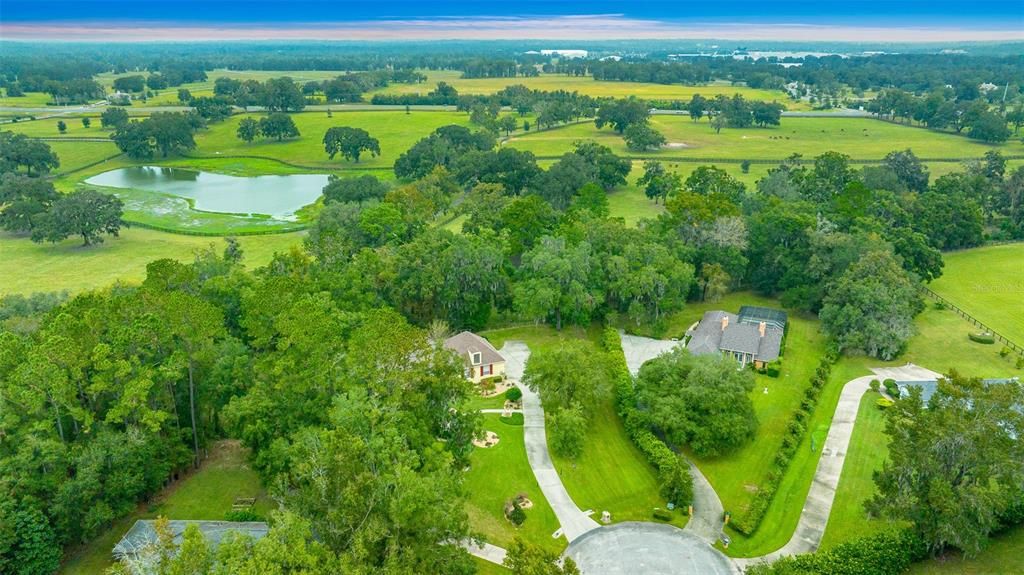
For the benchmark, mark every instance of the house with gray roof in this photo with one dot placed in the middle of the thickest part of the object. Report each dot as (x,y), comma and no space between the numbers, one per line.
(754,336)
(481,359)
(143,536)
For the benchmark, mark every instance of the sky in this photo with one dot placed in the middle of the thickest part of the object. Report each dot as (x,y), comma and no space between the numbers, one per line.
(861,20)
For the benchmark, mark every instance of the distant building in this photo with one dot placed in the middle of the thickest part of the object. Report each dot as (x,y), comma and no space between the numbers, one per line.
(143,534)
(752,336)
(480,357)
(569,54)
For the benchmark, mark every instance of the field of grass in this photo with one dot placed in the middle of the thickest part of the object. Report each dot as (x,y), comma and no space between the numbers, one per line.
(29,267)
(47,127)
(206,494)
(29,100)
(488,568)
(396,130)
(587,86)
(860,138)
(498,474)
(1002,557)
(76,155)
(988,283)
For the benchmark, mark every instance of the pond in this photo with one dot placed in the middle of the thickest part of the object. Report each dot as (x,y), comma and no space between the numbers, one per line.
(276,196)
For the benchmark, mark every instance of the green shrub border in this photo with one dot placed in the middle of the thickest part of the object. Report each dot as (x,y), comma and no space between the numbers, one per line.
(796,431)
(673,471)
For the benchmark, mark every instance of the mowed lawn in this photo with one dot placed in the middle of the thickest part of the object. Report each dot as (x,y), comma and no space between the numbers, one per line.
(611,474)
(988,283)
(207,494)
(30,267)
(940,344)
(1003,556)
(496,475)
(74,156)
(736,476)
(396,131)
(586,85)
(860,138)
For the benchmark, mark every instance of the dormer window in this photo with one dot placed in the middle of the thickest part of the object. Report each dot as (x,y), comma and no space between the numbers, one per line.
(475,357)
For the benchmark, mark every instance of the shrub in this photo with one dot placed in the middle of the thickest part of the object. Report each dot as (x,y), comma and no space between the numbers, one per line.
(884,553)
(1020,362)
(982,338)
(514,394)
(662,514)
(939,305)
(517,516)
(891,388)
(1004,352)
(773,369)
(884,403)
(875,385)
(243,515)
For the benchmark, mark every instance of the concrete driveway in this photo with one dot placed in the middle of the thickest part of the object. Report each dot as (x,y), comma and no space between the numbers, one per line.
(648,548)
(573,520)
(638,350)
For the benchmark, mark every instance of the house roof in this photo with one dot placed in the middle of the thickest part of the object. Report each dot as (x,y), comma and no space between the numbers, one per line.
(143,533)
(706,337)
(468,342)
(741,334)
(741,337)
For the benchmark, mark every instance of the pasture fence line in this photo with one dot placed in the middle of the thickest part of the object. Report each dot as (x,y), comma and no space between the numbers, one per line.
(1016,348)
(773,161)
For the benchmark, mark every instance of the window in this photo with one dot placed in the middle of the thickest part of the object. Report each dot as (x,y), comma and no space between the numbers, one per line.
(487,369)
(475,357)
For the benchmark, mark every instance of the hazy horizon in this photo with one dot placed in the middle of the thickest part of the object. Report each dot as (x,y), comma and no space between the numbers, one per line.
(797,20)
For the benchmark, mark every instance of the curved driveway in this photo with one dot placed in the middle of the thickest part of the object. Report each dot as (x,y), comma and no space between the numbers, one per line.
(574,522)
(647,548)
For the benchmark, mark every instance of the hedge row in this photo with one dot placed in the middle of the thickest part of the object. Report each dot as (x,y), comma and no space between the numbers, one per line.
(884,553)
(796,431)
(673,471)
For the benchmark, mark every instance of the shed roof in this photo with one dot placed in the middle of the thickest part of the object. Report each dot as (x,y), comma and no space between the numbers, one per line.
(468,342)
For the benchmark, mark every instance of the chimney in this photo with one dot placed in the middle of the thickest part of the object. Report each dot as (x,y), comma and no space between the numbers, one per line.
(725,322)
(761,327)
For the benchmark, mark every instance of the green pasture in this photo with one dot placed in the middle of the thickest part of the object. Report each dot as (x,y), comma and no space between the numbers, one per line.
(860,138)
(396,131)
(30,267)
(498,474)
(207,494)
(47,127)
(586,85)
(74,156)
(988,283)
(29,100)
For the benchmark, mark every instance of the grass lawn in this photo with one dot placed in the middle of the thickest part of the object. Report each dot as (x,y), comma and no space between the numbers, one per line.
(206,494)
(29,100)
(736,475)
(860,138)
(47,127)
(498,474)
(988,283)
(76,155)
(611,475)
(28,267)
(488,568)
(396,130)
(868,450)
(588,86)
(941,343)
(1002,557)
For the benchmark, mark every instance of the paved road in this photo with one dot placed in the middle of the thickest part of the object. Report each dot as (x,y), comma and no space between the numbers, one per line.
(573,521)
(818,506)
(647,548)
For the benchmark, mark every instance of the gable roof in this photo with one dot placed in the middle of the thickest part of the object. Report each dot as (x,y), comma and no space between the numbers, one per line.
(706,337)
(741,334)
(468,342)
(741,337)
(143,533)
